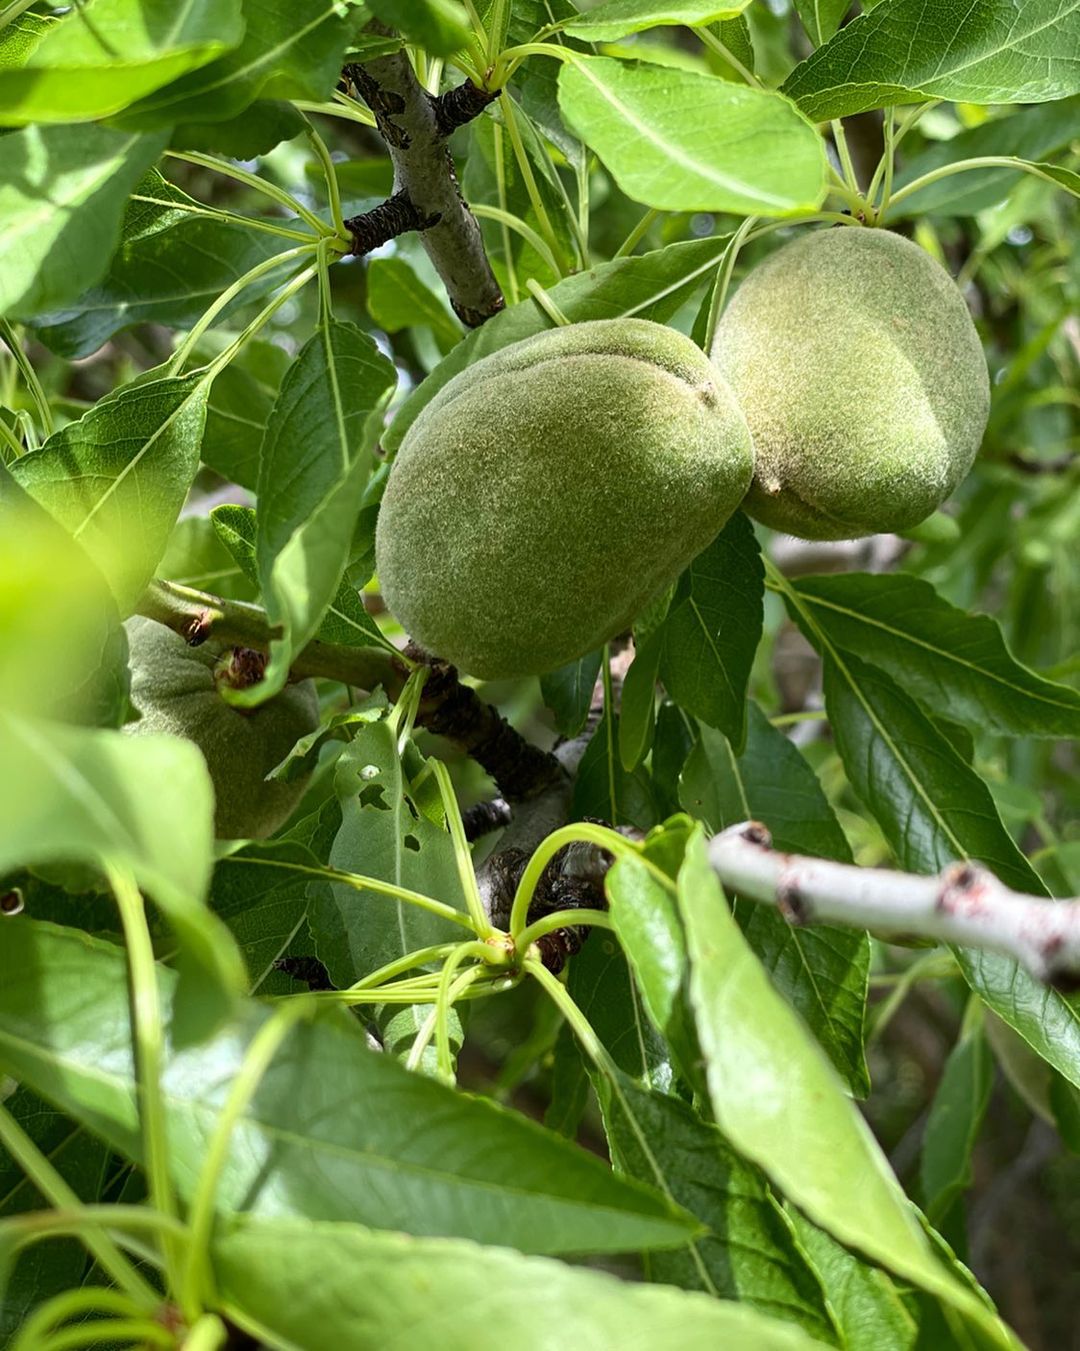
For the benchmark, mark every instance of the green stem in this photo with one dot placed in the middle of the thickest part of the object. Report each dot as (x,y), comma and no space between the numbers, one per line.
(329,173)
(254,182)
(11,12)
(723,278)
(583,833)
(598,1054)
(638,233)
(710,40)
(406,963)
(106,1330)
(360,883)
(7,435)
(498,21)
(462,854)
(540,295)
(964,165)
(237,218)
(512,288)
(562,919)
(56,1191)
(33,384)
(840,138)
(509,221)
(180,356)
(449,989)
(890,161)
(342,106)
(198,1277)
(31,1226)
(506,103)
(70,1304)
(148,1038)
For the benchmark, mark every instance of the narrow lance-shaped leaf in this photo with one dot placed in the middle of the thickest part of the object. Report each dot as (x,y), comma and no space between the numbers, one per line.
(118,477)
(935,810)
(822,971)
(62,194)
(713,627)
(956,1114)
(568,692)
(322,1136)
(617,18)
(762,1068)
(955,663)
(366,1288)
(992,51)
(679,141)
(315,463)
(92,64)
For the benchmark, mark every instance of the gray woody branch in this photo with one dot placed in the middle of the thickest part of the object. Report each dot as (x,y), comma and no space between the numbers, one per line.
(415,126)
(965,904)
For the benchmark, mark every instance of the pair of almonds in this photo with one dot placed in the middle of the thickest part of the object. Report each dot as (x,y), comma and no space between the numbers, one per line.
(551,490)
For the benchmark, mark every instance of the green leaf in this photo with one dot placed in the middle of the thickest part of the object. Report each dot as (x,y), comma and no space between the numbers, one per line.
(865,1303)
(935,810)
(1030,133)
(72,795)
(568,692)
(763,1068)
(955,663)
(680,141)
(315,463)
(397,299)
(821,18)
(171,265)
(367,1291)
(263,904)
(952,1128)
(713,628)
(118,477)
(283,55)
(604,790)
(95,62)
(616,18)
(650,286)
(241,397)
(903,51)
(748,1254)
(440,26)
(323,1136)
(382,835)
(345,622)
(195,557)
(601,985)
(20,37)
(62,194)
(45,1269)
(637,708)
(821,971)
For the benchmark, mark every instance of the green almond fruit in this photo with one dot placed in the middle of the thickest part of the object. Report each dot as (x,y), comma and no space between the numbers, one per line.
(551,490)
(858,368)
(175,689)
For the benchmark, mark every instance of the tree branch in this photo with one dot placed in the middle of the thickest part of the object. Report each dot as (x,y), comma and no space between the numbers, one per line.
(966,904)
(415,127)
(448,708)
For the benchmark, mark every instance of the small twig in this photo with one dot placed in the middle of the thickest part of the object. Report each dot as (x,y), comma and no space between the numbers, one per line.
(484,817)
(449,708)
(415,126)
(966,904)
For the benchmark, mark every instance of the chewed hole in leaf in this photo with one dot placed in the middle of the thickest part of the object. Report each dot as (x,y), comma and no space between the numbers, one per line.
(374,796)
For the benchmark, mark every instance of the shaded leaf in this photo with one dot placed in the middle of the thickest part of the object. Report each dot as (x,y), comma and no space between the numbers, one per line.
(604,790)
(323,1136)
(821,18)
(568,692)
(616,18)
(397,299)
(440,26)
(952,1128)
(713,628)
